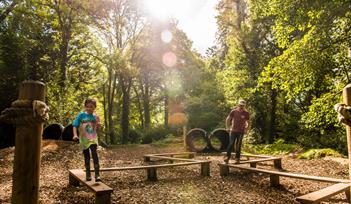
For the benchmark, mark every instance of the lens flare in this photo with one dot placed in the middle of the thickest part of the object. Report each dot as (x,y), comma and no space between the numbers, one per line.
(166,36)
(169,59)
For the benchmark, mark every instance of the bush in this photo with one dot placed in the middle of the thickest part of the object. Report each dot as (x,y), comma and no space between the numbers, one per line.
(147,139)
(170,139)
(318,153)
(329,139)
(134,136)
(278,147)
(154,134)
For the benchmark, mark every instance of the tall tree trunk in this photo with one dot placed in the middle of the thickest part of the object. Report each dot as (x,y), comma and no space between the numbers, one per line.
(166,102)
(65,25)
(110,98)
(125,85)
(146,103)
(105,112)
(272,128)
(140,109)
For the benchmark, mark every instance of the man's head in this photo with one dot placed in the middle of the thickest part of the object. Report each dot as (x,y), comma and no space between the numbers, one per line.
(241,103)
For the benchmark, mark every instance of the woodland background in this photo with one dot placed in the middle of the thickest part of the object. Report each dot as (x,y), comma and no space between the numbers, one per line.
(288,59)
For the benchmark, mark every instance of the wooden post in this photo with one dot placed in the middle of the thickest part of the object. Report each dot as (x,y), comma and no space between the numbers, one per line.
(347,193)
(103,198)
(151,174)
(205,169)
(26,169)
(278,163)
(253,165)
(346,95)
(146,159)
(223,169)
(72,180)
(184,139)
(274,180)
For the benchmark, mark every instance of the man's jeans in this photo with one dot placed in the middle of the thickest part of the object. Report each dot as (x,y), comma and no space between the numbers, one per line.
(235,138)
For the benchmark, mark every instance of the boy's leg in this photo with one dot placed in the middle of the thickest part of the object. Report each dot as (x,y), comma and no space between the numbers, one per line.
(96,162)
(86,154)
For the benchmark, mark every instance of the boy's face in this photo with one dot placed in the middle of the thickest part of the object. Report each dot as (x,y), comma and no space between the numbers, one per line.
(89,108)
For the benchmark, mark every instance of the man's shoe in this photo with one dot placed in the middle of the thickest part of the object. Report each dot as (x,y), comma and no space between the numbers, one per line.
(226,159)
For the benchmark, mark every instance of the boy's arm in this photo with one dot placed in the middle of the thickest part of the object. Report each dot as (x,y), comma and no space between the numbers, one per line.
(75,124)
(98,122)
(75,135)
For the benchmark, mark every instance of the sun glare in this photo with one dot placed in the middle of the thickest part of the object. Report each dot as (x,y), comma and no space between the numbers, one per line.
(163,9)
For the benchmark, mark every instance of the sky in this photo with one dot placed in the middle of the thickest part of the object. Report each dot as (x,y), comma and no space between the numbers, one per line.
(196,18)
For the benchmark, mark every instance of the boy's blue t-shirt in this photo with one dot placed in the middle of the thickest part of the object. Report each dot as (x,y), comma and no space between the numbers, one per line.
(87,125)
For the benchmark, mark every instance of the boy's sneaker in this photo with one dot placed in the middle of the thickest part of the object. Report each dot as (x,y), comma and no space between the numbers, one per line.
(97,179)
(87,175)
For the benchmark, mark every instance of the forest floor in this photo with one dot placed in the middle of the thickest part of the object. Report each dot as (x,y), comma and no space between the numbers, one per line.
(175,185)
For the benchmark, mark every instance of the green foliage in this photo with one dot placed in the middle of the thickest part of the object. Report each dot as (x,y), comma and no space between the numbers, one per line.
(154,134)
(205,105)
(319,153)
(279,147)
(330,139)
(135,136)
(170,139)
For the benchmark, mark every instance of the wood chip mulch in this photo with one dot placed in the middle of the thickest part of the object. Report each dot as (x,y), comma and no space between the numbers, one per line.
(175,185)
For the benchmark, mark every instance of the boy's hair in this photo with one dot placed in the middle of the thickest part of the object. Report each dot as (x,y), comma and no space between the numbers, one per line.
(90,100)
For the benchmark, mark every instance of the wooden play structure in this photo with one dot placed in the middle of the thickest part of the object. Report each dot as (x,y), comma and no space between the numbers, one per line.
(103,192)
(341,185)
(28,113)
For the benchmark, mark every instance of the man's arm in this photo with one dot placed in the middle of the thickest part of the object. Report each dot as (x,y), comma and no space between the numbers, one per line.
(247,123)
(228,122)
(247,126)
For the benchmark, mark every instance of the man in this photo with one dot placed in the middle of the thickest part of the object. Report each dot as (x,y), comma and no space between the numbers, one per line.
(237,123)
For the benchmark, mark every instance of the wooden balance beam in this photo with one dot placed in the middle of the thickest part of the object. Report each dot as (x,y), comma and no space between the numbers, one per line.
(101,190)
(151,170)
(325,193)
(261,158)
(277,162)
(187,154)
(274,175)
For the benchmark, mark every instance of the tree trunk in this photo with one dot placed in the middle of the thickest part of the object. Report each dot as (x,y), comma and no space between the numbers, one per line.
(105,112)
(146,103)
(65,24)
(140,109)
(166,108)
(272,128)
(110,99)
(125,108)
